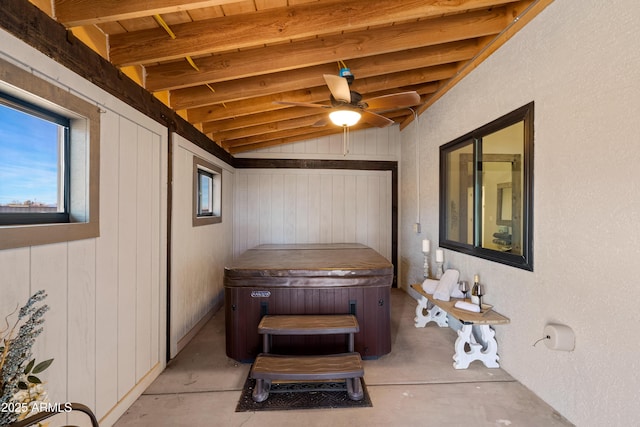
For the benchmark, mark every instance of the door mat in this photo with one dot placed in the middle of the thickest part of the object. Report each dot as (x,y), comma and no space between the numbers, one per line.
(300,395)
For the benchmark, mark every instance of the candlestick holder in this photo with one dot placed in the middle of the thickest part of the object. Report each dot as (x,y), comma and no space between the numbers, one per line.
(439,270)
(426,264)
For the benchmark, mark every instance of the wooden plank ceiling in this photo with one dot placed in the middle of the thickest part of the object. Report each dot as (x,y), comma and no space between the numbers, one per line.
(223,63)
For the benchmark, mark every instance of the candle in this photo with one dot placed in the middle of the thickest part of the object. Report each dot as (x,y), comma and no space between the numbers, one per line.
(476,278)
(426,245)
(439,255)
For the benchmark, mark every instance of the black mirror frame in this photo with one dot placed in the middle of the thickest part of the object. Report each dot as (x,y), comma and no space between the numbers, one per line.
(524,261)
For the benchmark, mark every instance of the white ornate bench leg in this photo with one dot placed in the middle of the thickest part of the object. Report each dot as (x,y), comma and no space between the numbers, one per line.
(490,353)
(420,319)
(438,315)
(434,314)
(489,356)
(461,358)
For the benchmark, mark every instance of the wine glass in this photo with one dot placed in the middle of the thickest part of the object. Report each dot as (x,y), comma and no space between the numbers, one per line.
(464,288)
(480,293)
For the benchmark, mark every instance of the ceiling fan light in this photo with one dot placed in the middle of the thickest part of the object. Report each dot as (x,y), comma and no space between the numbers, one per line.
(344,117)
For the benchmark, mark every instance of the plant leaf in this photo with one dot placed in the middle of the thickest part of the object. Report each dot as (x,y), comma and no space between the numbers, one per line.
(29,366)
(22,385)
(42,366)
(33,380)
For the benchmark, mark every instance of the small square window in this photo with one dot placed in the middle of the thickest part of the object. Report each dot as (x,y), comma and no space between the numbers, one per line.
(205,193)
(49,162)
(207,186)
(34,164)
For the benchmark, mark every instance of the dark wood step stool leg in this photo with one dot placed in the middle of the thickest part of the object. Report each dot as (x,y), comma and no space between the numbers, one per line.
(354,388)
(261,390)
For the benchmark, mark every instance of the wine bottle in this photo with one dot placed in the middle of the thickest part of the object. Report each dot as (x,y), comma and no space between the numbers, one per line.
(474,290)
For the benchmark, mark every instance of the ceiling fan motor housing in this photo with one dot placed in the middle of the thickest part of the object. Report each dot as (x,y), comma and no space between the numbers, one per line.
(356,99)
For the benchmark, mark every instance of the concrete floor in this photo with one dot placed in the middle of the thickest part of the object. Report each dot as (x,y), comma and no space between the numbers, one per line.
(414,385)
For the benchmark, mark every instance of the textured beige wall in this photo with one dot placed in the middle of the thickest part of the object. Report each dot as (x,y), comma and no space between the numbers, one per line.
(580,64)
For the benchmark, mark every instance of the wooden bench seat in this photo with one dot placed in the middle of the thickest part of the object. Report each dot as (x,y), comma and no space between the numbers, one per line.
(274,367)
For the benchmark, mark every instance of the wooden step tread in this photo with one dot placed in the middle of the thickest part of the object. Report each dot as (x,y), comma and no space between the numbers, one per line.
(308,324)
(281,367)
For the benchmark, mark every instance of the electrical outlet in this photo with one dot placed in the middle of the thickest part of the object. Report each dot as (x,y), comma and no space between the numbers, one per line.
(416,227)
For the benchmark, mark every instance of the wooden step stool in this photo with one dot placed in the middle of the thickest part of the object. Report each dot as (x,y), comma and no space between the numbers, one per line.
(271,367)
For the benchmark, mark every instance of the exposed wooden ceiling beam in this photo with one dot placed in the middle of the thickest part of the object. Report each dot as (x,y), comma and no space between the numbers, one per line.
(250,87)
(284,140)
(328,49)
(256,119)
(262,118)
(313,76)
(73,13)
(191,98)
(276,25)
(291,139)
(293,131)
(288,133)
(231,59)
(280,125)
(240,136)
(522,12)
(245,107)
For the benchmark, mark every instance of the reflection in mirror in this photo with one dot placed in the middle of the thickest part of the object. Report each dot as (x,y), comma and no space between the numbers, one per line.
(503,207)
(502,153)
(459,207)
(486,189)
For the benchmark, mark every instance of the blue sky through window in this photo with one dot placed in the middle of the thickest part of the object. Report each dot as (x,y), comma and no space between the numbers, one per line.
(28,158)
(205,193)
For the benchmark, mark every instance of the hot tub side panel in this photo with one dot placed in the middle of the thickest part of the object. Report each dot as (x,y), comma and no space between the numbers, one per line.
(245,306)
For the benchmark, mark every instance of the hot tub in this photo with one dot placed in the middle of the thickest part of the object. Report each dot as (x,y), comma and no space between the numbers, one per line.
(308,279)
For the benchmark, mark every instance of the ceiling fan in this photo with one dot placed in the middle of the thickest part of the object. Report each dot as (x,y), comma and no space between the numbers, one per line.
(348,106)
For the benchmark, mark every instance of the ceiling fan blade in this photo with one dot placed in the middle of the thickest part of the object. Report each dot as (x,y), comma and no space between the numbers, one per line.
(320,123)
(376,119)
(301,104)
(394,101)
(339,87)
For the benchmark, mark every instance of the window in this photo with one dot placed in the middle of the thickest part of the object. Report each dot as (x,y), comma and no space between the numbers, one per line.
(34,164)
(205,193)
(207,185)
(486,191)
(49,162)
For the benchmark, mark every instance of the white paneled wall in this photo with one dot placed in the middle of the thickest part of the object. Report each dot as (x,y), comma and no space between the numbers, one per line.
(105,329)
(312,206)
(199,254)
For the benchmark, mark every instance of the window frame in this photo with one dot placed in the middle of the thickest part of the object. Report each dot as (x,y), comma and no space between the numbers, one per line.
(215,172)
(26,218)
(84,160)
(474,139)
(203,173)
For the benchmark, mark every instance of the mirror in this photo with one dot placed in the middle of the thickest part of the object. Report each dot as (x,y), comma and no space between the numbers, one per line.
(486,191)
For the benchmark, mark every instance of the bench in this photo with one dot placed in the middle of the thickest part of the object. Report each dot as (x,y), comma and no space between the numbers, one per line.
(476,332)
(273,367)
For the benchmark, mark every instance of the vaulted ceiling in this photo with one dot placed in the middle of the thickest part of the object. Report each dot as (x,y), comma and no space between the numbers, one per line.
(225,63)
